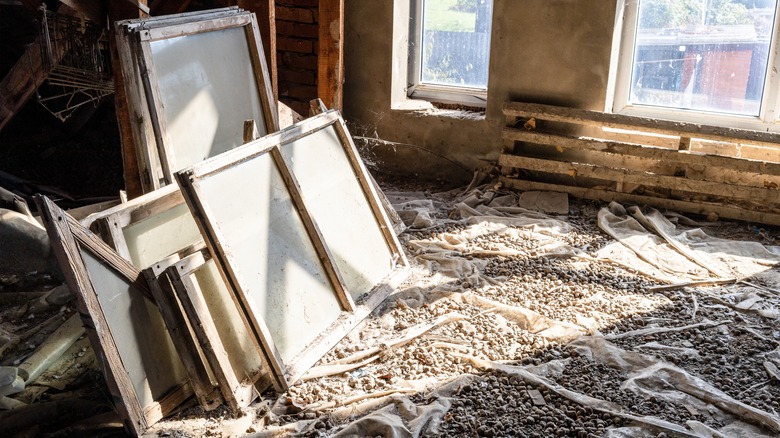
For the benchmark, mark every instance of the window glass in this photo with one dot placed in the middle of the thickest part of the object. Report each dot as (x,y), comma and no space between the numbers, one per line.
(455,42)
(709,55)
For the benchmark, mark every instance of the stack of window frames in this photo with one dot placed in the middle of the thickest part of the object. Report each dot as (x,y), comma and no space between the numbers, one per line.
(300,236)
(281,248)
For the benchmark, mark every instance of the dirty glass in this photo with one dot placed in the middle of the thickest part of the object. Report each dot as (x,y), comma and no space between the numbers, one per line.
(709,55)
(208,89)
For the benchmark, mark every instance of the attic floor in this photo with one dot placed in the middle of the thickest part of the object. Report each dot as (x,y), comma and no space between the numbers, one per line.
(516,323)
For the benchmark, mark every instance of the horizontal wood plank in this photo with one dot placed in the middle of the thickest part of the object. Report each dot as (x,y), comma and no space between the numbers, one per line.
(579,170)
(638,150)
(658,126)
(702,208)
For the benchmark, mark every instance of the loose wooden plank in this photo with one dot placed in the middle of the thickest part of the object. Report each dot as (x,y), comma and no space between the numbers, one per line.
(701,208)
(578,170)
(620,121)
(638,150)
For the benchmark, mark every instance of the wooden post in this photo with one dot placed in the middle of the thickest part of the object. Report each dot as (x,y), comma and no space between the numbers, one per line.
(330,59)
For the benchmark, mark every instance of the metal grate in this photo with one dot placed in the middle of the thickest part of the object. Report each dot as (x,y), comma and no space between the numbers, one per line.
(77,64)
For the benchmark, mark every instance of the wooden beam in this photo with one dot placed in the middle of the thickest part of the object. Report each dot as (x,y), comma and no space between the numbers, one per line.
(637,150)
(32,5)
(577,170)
(701,208)
(92,9)
(620,121)
(18,86)
(330,59)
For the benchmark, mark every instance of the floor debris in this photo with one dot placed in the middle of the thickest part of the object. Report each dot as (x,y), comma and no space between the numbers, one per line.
(517,323)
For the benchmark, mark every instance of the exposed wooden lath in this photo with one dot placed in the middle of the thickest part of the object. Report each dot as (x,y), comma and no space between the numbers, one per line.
(686,177)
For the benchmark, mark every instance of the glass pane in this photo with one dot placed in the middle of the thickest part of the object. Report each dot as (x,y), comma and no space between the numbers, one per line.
(456,42)
(208,89)
(706,55)
(266,243)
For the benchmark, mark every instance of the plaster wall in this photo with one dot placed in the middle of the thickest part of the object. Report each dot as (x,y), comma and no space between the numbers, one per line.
(542,51)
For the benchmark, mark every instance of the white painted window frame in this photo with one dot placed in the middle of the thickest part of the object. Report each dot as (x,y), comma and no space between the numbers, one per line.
(621,67)
(415,89)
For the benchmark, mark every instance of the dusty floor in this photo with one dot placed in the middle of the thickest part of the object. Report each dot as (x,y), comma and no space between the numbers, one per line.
(484,339)
(480,347)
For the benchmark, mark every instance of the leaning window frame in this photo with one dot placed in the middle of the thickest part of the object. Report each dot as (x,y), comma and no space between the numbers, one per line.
(415,89)
(626,21)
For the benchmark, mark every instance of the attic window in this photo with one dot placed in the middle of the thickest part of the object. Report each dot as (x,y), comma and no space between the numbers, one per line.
(688,60)
(449,51)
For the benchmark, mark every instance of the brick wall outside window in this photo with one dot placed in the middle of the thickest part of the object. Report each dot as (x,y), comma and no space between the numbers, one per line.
(297,39)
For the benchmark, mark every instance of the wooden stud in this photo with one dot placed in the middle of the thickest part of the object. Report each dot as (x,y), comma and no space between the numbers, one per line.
(330,56)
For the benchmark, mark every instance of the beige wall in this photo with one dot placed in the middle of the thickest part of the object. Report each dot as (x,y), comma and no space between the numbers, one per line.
(543,51)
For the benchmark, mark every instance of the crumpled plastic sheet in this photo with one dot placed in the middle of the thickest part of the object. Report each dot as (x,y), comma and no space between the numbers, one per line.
(657,248)
(644,244)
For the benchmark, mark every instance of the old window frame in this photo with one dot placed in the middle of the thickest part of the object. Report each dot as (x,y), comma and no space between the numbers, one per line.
(416,88)
(626,21)
(173,284)
(352,311)
(70,240)
(153,146)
